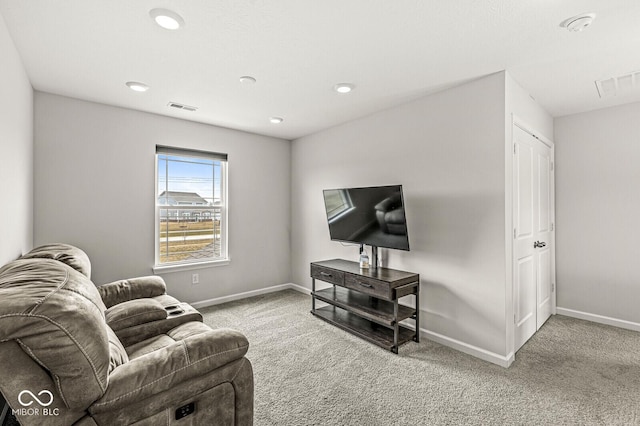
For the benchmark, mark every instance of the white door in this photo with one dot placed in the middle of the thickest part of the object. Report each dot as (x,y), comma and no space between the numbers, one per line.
(533,239)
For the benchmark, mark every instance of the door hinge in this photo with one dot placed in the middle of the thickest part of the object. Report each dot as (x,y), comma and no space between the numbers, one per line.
(514,319)
(552,226)
(553,287)
(514,233)
(514,148)
(552,166)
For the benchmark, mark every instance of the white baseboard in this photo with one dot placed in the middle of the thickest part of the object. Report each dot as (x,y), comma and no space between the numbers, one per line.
(239,296)
(483,354)
(503,361)
(599,319)
(299,288)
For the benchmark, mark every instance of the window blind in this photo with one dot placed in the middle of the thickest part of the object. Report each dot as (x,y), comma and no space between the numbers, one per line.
(169,150)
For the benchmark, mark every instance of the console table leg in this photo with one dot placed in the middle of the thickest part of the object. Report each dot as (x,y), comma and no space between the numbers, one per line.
(417,338)
(396,326)
(313,295)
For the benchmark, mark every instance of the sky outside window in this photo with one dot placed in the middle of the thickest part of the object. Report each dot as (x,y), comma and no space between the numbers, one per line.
(190,174)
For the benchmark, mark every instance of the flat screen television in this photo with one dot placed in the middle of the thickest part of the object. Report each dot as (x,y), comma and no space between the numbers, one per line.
(372,215)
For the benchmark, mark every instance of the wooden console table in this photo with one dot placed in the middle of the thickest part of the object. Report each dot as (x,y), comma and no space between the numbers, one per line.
(364,302)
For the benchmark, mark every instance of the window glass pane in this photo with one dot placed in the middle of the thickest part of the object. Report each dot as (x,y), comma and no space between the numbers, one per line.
(162,180)
(217,183)
(189,235)
(190,209)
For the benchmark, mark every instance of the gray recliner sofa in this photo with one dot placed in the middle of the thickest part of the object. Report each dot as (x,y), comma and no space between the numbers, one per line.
(121,353)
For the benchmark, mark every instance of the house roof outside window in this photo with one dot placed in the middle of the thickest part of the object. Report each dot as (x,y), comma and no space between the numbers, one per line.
(178,198)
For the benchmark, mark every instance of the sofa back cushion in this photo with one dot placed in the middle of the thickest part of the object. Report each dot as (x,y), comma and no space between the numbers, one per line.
(65,253)
(57,316)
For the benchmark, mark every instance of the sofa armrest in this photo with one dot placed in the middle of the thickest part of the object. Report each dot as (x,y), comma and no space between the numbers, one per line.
(133,288)
(134,312)
(165,368)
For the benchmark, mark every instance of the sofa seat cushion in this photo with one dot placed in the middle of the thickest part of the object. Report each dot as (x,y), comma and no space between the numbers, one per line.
(201,351)
(149,345)
(164,340)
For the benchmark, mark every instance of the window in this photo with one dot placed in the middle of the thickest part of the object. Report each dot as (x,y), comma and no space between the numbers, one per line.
(337,202)
(191,207)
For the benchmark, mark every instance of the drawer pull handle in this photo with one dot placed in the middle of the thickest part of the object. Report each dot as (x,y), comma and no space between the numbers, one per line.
(365,284)
(324,274)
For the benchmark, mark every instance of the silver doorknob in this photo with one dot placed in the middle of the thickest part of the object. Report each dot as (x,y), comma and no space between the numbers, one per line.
(539,244)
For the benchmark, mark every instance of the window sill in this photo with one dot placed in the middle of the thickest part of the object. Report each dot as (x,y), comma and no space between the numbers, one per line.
(160,269)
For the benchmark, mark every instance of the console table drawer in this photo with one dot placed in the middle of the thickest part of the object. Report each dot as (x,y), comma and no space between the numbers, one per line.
(327,275)
(367,285)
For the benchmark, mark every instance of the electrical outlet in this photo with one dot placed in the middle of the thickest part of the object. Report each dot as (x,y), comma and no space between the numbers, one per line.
(195,279)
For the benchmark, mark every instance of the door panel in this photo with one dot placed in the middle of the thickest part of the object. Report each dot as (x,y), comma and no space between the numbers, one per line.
(532,247)
(544,214)
(544,286)
(525,308)
(524,184)
(524,267)
(544,193)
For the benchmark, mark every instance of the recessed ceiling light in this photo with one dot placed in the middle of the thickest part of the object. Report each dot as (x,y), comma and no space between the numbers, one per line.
(137,86)
(247,79)
(167,19)
(343,87)
(578,23)
(276,120)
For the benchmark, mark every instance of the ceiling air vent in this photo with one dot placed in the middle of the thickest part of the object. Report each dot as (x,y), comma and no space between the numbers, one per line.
(182,106)
(618,85)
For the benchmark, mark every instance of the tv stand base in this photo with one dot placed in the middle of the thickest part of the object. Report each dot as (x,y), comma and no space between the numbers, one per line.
(364,302)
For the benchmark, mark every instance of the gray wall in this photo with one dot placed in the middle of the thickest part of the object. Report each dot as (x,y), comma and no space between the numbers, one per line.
(94,187)
(598,206)
(16,152)
(448,152)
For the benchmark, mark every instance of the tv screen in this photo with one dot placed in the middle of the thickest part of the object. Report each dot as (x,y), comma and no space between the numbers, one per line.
(372,215)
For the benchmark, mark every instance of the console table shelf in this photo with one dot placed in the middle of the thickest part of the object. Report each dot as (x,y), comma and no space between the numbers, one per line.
(364,302)
(371,308)
(363,328)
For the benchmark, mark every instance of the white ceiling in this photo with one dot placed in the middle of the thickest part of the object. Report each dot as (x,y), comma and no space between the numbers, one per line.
(393,51)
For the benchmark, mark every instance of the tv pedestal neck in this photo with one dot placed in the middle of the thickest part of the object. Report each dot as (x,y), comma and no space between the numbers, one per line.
(364,302)
(374,257)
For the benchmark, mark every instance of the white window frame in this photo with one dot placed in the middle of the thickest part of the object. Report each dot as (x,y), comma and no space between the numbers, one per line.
(224,258)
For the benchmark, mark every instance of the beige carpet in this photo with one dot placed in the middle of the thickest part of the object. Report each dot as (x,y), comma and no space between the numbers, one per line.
(308,372)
